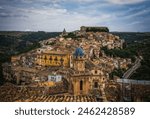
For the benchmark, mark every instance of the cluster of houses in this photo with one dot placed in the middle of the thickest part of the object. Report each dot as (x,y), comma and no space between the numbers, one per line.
(80,61)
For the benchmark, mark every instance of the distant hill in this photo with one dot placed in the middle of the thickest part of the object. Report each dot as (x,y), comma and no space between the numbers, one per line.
(131,37)
(14,42)
(139,43)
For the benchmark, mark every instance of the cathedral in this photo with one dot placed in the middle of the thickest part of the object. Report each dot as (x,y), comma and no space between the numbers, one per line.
(85,79)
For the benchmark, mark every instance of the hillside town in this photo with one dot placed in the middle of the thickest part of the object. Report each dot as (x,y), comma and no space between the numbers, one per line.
(70,67)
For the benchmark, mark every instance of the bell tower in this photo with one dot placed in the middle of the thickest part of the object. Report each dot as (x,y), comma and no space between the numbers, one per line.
(79,84)
(78,60)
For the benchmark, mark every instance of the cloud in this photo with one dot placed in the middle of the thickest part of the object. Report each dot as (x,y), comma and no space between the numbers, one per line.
(57,19)
(123,2)
(83,1)
(58,1)
(55,15)
(52,19)
(134,23)
(8,13)
(46,11)
(139,13)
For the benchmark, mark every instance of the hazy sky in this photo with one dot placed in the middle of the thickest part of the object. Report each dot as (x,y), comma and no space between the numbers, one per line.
(55,15)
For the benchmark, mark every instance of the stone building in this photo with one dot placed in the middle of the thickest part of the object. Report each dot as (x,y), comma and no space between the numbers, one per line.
(93,29)
(53,58)
(85,80)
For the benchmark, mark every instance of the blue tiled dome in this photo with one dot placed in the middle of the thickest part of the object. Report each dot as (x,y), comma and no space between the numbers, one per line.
(79,52)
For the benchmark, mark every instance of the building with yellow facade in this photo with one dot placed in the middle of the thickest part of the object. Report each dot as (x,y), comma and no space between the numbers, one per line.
(53,58)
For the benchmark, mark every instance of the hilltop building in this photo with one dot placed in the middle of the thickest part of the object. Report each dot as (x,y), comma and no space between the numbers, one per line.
(93,29)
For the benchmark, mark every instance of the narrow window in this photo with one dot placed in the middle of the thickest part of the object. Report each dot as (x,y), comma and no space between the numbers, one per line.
(81,85)
(95,71)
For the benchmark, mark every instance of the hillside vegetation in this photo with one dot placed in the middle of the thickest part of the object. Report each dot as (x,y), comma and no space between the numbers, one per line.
(136,44)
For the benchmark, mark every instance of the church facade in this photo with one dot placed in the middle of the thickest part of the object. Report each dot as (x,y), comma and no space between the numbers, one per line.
(84,81)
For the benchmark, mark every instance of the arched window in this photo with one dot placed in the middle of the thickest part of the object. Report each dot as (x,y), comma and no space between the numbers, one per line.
(81,85)
(95,84)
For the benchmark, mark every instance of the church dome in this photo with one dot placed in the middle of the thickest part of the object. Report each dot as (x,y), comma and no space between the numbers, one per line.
(79,52)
